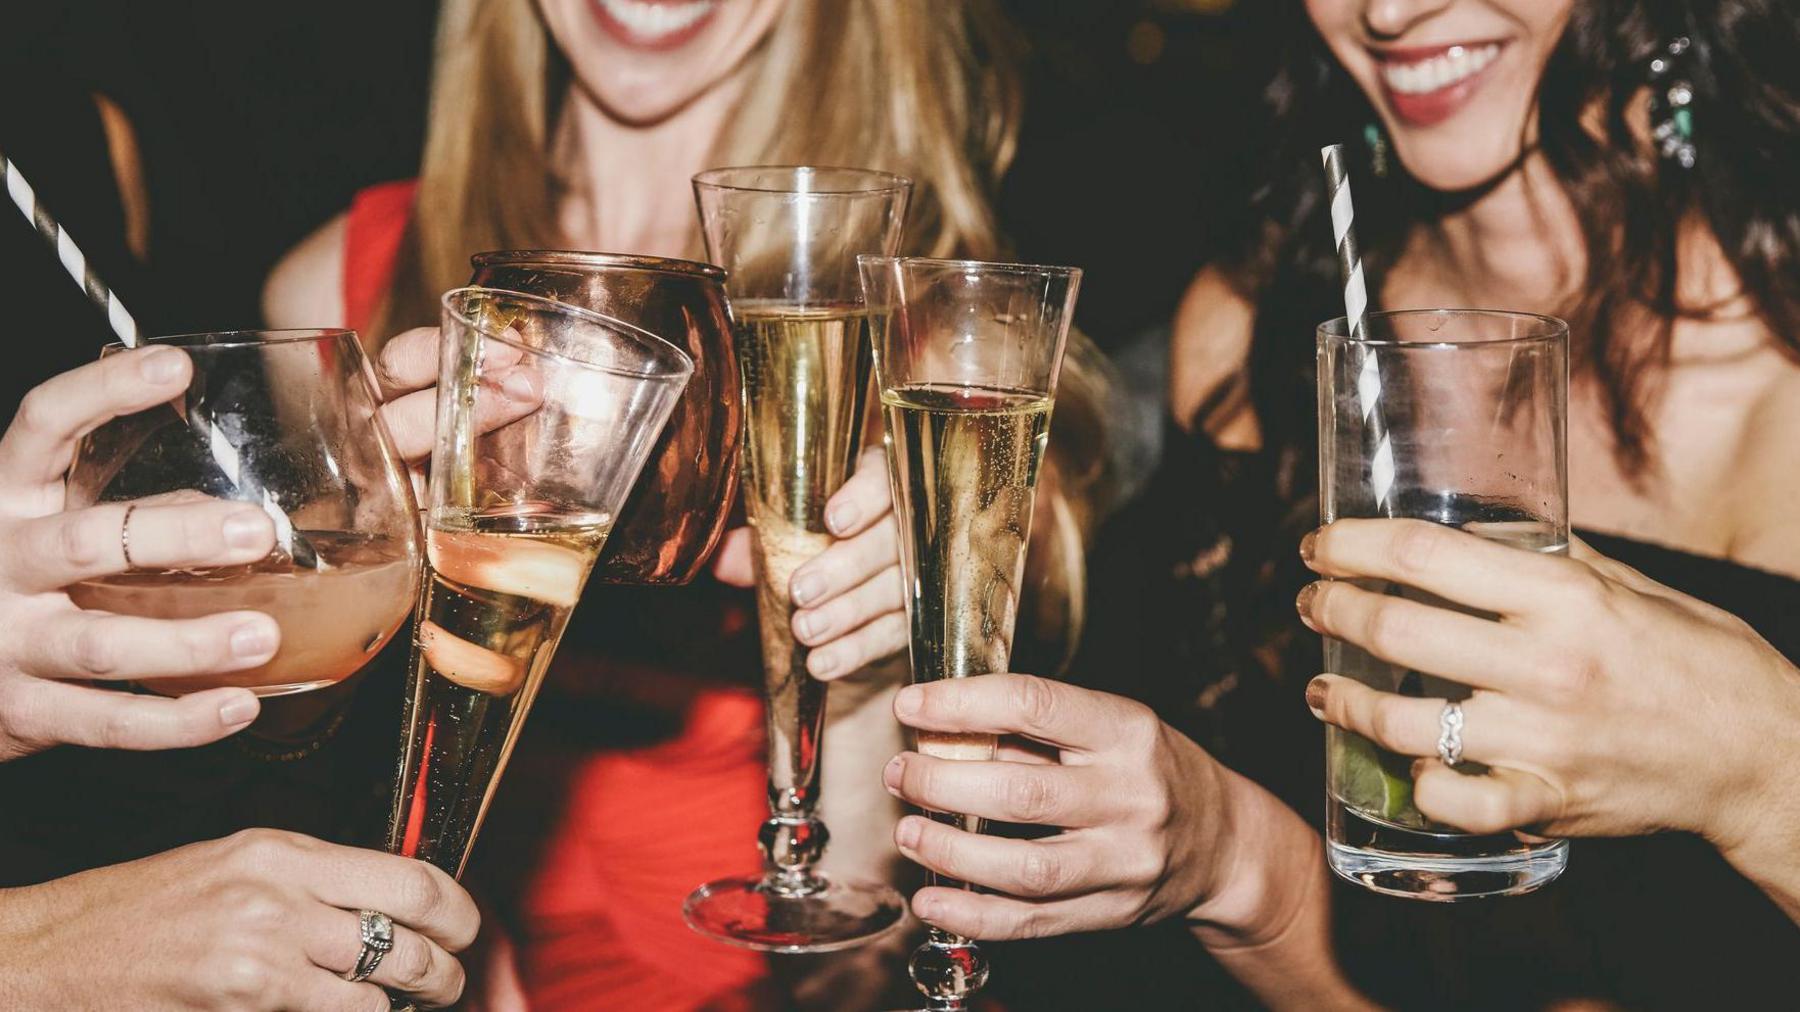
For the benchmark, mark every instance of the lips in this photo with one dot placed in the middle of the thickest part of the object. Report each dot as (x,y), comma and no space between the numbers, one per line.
(1427,85)
(654,24)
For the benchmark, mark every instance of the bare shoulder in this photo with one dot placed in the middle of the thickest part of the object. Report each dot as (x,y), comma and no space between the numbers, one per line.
(1767,531)
(306,288)
(1208,354)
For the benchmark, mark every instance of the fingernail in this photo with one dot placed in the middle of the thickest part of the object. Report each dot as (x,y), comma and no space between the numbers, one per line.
(1303,604)
(161,365)
(925,909)
(840,517)
(907,834)
(909,700)
(1315,697)
(245,530)
(1308,545)
(805,624)
(239,711)
(805,587)
(823,663)
(253,639)
(519,387)
(891,773)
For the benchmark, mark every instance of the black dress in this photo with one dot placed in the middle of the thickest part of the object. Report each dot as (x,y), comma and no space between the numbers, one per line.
(1192,611)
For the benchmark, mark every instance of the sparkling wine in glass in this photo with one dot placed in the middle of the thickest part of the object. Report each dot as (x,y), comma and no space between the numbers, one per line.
(523,495)
(287,420)
(966,359)
(788,238)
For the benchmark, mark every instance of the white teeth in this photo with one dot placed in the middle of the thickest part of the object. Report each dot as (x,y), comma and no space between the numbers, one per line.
(1447,68)
(650,20)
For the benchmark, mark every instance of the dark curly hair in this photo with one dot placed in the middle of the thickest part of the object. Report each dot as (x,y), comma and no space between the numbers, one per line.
(1744,64)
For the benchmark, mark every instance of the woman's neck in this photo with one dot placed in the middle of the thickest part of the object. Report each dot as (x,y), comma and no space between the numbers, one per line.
(625,186)
(1519,245)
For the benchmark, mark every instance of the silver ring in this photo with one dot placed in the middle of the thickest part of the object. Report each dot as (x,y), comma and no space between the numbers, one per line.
(1450,729)
(377,941)
(125,536)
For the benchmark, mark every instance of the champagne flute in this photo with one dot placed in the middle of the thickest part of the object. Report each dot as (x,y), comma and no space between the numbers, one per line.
(966,359)
(523,495)
(788,238)
(292,424)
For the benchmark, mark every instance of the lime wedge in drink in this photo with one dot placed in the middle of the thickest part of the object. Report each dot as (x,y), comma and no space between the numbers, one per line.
(1374,781)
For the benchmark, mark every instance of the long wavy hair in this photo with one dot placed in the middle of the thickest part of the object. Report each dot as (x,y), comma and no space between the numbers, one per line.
(929,89)
(1631,205)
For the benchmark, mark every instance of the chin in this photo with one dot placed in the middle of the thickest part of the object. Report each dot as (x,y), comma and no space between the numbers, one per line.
(1453,163)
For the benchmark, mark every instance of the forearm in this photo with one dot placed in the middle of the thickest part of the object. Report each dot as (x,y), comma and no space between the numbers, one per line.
(1269,922)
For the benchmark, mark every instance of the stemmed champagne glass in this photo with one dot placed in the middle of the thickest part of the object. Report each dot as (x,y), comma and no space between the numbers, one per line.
(522,497)
(788,238)
(966,359)
(289,420)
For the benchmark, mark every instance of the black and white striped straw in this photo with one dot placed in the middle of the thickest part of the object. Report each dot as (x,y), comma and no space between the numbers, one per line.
(125,327)
(1356,305)
(73,260)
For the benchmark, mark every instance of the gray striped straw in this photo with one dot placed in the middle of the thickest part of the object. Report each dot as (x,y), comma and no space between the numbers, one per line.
(75,262)
(1356,304)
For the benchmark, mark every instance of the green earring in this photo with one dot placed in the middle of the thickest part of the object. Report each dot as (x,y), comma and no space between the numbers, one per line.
(1378,148)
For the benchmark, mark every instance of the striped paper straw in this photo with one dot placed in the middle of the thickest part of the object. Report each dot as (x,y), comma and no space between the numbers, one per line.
(1356,304)
(75,262)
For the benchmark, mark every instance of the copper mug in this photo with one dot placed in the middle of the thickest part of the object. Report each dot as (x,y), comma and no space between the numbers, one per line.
(677,513)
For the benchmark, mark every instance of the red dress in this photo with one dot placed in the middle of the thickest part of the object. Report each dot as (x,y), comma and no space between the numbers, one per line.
(621,834)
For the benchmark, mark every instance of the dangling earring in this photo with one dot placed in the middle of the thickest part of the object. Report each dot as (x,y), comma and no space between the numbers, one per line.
(1671,106)
(1378,149)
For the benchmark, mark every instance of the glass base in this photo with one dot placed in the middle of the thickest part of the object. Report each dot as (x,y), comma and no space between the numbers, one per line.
(1437,867)
(751,913)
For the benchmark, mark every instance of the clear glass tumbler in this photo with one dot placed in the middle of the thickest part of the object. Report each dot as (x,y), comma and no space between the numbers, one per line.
(1458,417)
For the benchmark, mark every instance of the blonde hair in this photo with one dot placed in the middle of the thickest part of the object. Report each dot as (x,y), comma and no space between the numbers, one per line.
(918,87)
(925,88)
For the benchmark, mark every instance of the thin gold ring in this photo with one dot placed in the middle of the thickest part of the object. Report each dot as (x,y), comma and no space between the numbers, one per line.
(125,536)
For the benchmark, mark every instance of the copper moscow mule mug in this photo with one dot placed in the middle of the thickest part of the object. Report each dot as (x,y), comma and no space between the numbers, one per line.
(678,510)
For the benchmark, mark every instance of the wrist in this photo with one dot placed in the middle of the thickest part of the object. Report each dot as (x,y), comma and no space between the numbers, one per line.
(1262,872)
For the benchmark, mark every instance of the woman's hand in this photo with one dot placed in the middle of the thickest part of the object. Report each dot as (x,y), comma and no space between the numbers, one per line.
(260,920)
(1152,826)
(1606,704)
(406,370)
(849,601)
(49,643)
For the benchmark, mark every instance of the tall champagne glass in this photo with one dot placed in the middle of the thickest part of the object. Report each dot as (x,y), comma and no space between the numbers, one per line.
(545,415)
(788,238)
(286,419)
(966,359)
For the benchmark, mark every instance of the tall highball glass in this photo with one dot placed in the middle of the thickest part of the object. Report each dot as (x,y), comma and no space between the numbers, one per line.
(788,238)
(1458,417)
(966,358)
(523,494)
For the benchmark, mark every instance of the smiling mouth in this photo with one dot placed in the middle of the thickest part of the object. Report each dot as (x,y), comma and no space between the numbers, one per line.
(654,24)
(1427,85)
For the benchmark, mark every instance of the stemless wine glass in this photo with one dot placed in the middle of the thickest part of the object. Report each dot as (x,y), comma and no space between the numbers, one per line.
(521,501)
(966,358)
(669,527)
(286,419)
(788,238)
(1459,417)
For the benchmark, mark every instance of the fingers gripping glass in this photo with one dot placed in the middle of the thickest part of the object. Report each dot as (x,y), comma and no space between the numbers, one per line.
(288,420)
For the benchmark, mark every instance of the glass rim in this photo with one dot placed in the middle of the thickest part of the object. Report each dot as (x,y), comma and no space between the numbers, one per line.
(253,337)
(890,182)
(682,358)
(990,266)
(586,258)
(1335,329)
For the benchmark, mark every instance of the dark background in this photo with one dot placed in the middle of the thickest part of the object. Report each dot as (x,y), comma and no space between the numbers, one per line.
(258,122)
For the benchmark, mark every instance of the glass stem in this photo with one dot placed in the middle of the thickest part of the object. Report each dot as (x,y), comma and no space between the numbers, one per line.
(949,968)
(793,839)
